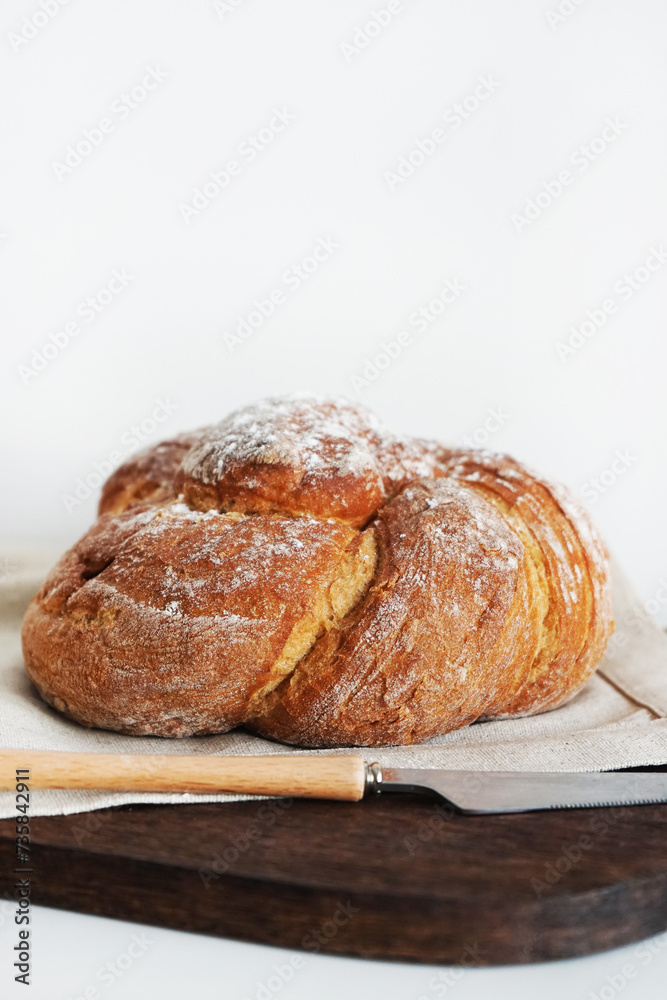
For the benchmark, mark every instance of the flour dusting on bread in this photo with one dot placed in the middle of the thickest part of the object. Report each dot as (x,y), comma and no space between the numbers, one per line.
(300,570)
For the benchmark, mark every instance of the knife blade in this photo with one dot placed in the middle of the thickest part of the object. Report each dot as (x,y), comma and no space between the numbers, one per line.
(345,777)
(523,791)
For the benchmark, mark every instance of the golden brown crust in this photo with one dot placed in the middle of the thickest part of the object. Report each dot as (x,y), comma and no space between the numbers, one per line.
(323,583)
(148,475)
(301,456)
(571,563)
(169,621)
(447,628)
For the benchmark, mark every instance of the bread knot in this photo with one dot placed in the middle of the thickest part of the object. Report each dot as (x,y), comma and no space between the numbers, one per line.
(299,570)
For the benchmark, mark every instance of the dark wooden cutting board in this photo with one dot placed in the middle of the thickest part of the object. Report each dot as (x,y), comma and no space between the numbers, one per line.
(397,877)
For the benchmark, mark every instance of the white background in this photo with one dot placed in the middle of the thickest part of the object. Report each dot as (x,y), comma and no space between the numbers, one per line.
(80,952)
(324,176)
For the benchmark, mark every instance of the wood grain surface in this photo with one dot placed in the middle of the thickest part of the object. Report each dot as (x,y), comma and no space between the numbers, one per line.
(393,877)
(305,776)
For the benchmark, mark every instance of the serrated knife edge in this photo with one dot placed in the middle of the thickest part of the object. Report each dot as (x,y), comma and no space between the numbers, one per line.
(519,791)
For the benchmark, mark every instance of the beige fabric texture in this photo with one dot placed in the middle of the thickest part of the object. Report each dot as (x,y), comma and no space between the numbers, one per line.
(619,719)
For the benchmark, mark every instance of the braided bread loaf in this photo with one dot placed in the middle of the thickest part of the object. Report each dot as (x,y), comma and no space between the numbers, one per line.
(298,570)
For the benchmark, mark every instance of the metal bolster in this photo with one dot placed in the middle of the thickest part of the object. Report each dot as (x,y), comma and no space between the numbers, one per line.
(373,778)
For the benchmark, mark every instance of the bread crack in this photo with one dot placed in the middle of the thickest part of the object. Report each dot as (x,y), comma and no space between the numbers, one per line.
(345,590)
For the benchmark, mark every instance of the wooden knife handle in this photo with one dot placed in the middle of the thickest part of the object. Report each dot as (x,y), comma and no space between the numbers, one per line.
(298,775)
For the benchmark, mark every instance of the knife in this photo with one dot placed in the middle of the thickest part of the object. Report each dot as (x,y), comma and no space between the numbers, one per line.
(343,777)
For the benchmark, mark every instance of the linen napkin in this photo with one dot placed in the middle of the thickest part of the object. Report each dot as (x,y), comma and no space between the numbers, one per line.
(619,719)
